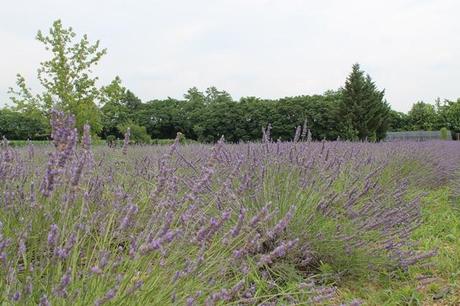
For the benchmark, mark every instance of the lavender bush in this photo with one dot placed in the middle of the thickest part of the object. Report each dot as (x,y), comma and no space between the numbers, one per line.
(191,225)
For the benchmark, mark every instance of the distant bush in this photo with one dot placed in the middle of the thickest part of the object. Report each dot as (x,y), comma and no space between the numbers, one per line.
(182,140)
(138,133)
(22,143)
(111,140)
(444,134)
(162,141)
(15,125)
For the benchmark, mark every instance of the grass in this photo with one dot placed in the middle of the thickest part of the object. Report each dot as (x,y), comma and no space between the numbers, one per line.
(436,284)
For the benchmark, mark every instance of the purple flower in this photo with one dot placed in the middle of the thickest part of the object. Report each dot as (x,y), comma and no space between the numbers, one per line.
(16,296)
(86,138)
(22,248)
(64,138)
(138,284)
(206,232)
(61,289)
(126,141)
(53,236)
(282,224)
(44,301)
(127,218)
(237,228)
(279,251)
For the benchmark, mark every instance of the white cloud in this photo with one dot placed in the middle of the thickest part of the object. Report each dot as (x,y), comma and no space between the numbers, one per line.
(259,47)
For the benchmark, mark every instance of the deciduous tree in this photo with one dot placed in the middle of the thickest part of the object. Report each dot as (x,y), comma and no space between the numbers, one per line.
(66,78)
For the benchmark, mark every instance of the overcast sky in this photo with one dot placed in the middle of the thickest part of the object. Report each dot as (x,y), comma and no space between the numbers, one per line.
(259,48)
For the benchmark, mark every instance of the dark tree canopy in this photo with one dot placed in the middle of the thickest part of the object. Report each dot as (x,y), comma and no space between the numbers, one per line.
(16,125)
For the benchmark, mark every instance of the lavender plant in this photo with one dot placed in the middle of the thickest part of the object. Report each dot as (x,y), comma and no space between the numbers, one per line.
(199,224)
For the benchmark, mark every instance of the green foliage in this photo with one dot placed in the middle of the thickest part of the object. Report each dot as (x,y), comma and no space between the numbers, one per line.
(444,134)
(348,132)
(23,143)
(449,114)
(207,116)
(15,125)
(164,118)
(120,105)
(363,106)
(422,116)
(398,121)
(138,134)
(111,140)
(66,78)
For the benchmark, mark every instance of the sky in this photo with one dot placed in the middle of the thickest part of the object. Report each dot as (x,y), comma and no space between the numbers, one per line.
(263,48)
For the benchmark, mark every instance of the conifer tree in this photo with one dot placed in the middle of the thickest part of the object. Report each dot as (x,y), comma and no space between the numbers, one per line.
(363,108)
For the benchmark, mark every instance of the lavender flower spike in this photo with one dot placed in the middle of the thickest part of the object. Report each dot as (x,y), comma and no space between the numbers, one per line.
(126,141)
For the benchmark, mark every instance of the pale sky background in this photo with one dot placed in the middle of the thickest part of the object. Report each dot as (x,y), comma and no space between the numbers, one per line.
(259,48)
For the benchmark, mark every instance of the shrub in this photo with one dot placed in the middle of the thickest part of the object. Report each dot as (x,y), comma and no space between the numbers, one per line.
(138,133)
(182,140)
(444,134)
(111,140)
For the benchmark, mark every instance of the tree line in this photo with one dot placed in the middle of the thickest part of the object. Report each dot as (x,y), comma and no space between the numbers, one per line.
(428,117)
(357,111)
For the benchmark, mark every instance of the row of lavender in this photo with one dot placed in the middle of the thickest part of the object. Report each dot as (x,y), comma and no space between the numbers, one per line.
(247,223)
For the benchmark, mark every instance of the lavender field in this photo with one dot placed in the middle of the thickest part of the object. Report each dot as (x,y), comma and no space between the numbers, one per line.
(273,223)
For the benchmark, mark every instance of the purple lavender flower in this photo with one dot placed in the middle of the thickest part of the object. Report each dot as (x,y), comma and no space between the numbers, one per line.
(107,297)
(206,232)
(64,138)
(32,194)
(127,218)
(137,284)
(103,261)
(28,288)
(126,141)
(86,138)
(282,224)
(77,170)
(237,228)
(61,289)
(44,301)
(16,296)
(256,219)
(53,236)
(278,252)
(63,252)
(22,247)
(30,149)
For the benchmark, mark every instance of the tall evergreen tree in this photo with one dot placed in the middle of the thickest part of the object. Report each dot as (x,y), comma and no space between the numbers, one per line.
(363,110)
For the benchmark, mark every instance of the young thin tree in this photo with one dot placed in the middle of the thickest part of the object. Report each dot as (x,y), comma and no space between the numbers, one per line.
(66,78)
